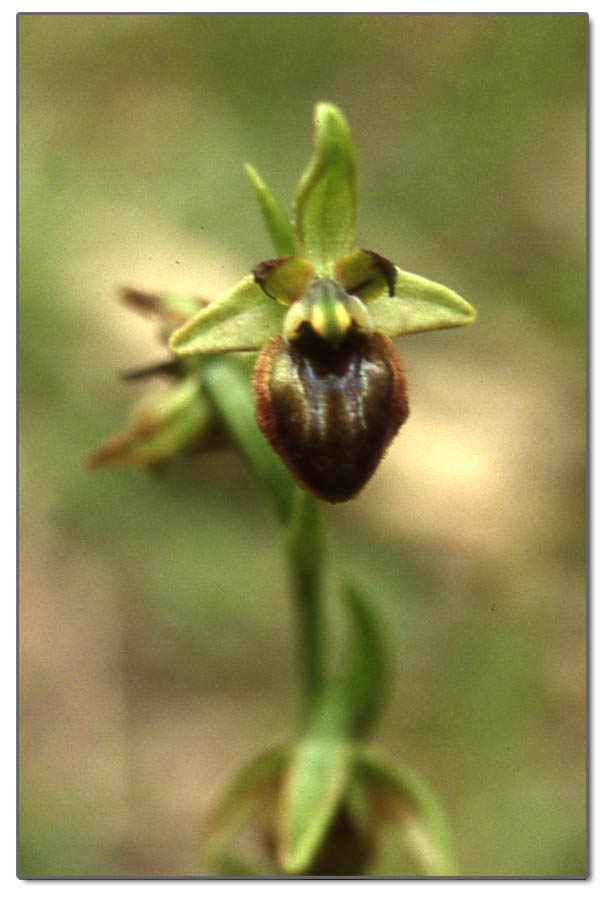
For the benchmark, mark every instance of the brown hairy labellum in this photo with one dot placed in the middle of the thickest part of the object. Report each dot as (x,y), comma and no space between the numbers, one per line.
(330,413)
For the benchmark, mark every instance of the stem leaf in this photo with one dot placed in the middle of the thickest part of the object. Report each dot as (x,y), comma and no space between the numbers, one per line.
(365,672)
(240,800)
(350,701)
(412,808)
(314,789)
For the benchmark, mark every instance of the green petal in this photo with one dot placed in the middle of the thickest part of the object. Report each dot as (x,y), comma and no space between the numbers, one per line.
(326,200)
(419,305)
(284,279)
(314,789)
(365,274)
(413,809)
(242,319)
(274,216)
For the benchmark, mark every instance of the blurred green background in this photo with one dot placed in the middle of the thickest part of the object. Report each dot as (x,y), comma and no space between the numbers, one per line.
(157,645)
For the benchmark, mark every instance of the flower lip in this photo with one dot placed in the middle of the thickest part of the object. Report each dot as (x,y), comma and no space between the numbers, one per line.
(330,414)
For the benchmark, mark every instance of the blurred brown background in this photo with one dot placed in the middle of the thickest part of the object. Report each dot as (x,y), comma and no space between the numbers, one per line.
(156,640)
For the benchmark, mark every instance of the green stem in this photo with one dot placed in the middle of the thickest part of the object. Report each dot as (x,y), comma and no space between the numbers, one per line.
(305,550)
(299,512)
(228,386)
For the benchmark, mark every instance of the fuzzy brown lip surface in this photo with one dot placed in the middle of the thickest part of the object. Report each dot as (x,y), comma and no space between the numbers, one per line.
(330,415)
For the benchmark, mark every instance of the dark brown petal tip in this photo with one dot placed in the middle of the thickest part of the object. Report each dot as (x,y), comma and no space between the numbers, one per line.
(366,274)
(387,268)
(284,279)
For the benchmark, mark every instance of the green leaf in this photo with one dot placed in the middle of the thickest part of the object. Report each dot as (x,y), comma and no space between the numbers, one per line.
(351,700)
(314,790)
(419,305)
(365,673)
(240,801)
(402,796)
(274,216)
(326,200)
(242,319)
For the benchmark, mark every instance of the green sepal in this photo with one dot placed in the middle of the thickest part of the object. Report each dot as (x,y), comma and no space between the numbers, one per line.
(240,801)
(325,206)
(404,800)
(274,215)
(419,305)
(242,319)
(312,794)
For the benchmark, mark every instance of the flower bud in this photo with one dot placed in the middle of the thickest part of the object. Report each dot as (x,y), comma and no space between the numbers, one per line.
(181,420)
